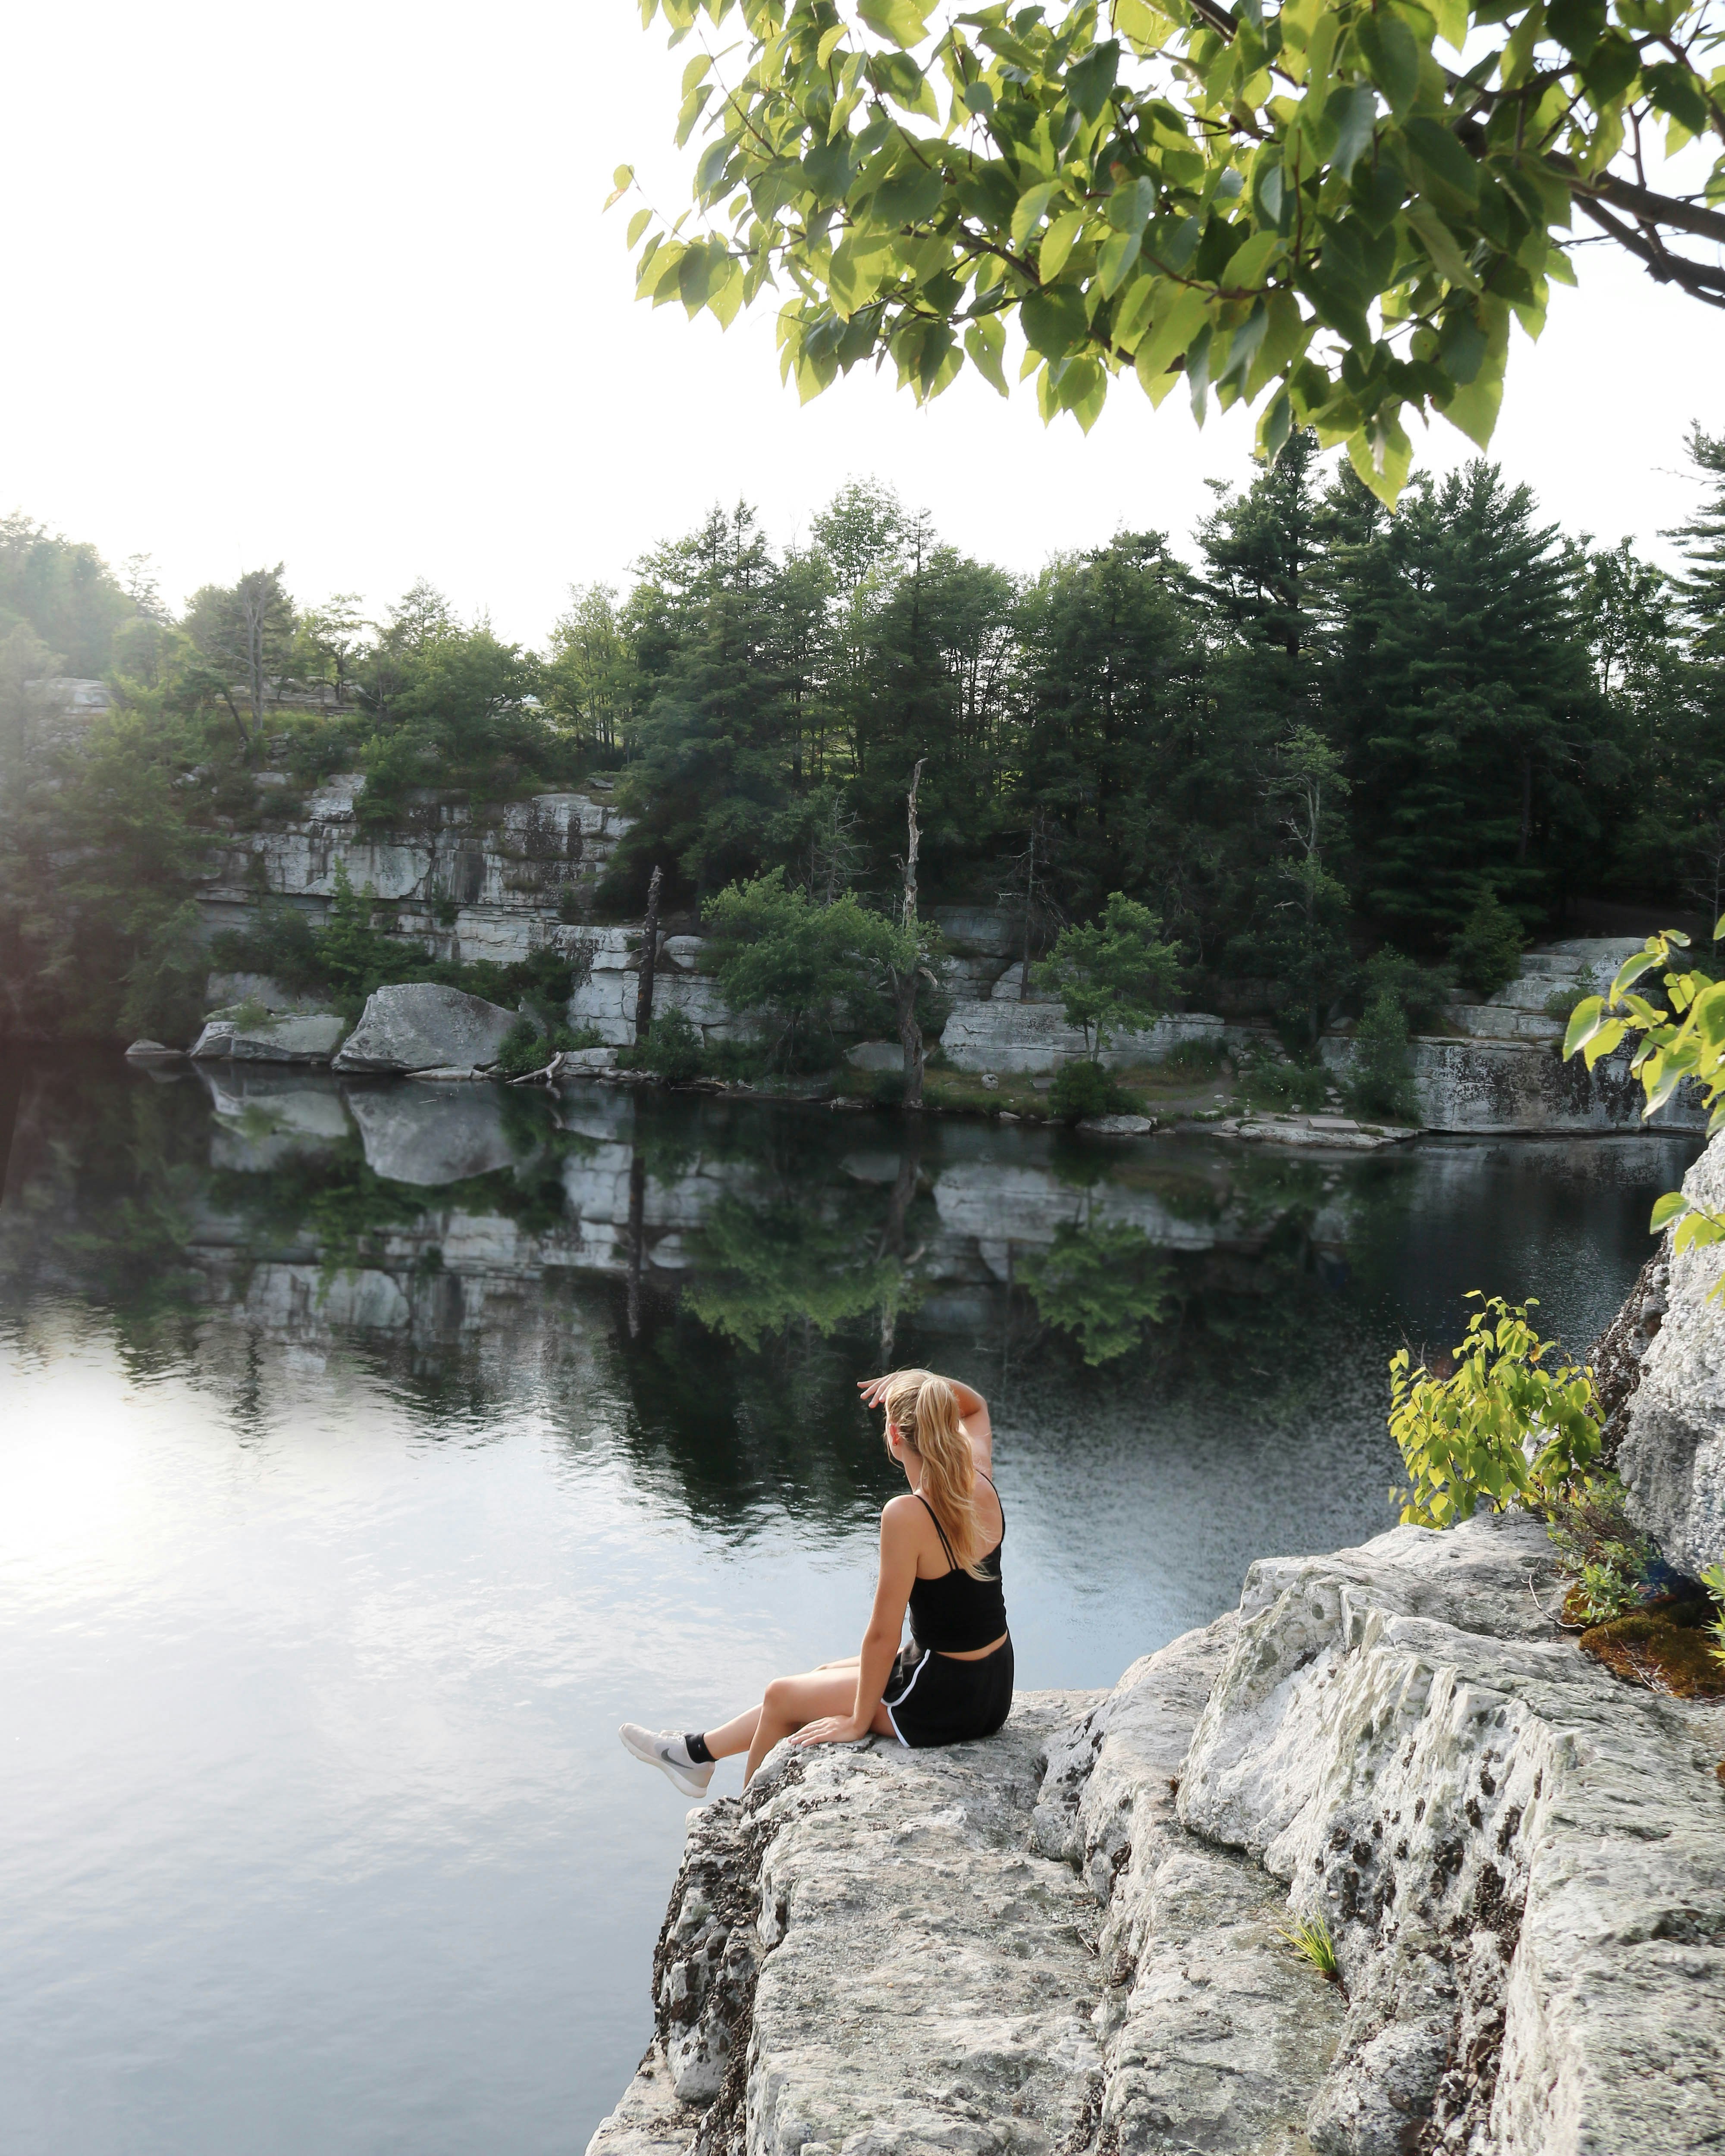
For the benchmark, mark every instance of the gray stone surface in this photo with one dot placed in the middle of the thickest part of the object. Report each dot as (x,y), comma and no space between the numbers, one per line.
(1672,1455)
(426,1135)
(1118,1127)
(1072,1938)
(420,1026)
(468,880)
(289,1037)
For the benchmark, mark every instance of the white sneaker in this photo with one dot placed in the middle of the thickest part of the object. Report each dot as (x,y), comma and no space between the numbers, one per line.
(665,1748)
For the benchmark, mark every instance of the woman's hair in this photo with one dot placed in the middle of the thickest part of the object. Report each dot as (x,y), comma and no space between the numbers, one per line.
(927,1413)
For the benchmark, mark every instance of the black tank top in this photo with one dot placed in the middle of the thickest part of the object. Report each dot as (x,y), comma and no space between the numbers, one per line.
(956,1613)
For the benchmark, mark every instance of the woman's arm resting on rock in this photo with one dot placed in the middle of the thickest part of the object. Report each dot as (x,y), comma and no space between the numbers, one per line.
(886,1624)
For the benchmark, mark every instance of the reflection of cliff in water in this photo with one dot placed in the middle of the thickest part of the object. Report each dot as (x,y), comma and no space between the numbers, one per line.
(707,1277)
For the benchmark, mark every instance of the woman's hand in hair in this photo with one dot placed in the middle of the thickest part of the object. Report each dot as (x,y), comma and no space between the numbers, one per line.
(874,1389)
(833,1729)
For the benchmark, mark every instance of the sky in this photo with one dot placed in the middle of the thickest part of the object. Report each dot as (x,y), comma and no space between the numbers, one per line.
(331,284)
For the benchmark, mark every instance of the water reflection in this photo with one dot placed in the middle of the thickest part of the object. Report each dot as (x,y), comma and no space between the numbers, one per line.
(739,1264)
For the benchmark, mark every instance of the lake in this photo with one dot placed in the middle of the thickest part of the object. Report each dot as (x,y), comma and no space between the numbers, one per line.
(369,1452)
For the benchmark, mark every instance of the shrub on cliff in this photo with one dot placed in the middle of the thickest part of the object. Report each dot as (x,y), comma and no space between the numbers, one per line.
(1487,953)
(1510,1424)
(1114,974)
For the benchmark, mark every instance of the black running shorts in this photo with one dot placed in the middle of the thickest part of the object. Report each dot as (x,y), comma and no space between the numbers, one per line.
(932,1699)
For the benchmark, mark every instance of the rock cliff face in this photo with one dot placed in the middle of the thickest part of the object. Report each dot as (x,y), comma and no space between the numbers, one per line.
(1672,1453)
(495,882)
(1071,1938)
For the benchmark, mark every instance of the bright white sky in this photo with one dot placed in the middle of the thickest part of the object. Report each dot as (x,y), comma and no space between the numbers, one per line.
(328,284)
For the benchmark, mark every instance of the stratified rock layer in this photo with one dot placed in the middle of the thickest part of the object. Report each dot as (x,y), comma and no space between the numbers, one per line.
(1072,1936)
(1672,1455)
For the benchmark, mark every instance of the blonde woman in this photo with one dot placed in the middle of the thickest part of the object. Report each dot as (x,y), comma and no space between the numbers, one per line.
(940,1560)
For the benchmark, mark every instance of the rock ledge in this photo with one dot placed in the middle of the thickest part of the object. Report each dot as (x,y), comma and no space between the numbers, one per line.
(1071,1938)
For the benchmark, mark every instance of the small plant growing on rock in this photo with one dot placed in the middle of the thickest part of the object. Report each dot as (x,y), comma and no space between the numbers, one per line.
(1713,1579)
(1601,1550)
(1312,1938)
(1508,1427)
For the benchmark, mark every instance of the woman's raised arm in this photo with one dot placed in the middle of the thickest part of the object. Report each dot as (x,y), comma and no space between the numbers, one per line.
(973,1412)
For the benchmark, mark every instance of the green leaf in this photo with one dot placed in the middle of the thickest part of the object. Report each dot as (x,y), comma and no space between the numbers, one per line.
(1090,82)
(637,224)
(1443,158)
(1672,1206)
(1354,110)
(1055,322)
(1057,243)
(1119,252)
(1186,313)
(830,44)
(1674,89)
(1250,259)
(1584,1023)
(1576,24)
(1028,216)
(902,22)
(1392,58)
(985,340)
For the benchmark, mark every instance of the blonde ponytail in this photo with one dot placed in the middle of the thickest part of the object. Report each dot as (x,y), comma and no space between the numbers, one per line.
(926,1410)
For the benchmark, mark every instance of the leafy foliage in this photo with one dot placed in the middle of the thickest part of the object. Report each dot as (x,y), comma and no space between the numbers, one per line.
(1086,1089)
(673,1050)
(1312,211)
(1488,951)
(1685,1041)
(1112,975)
(1601,1548)
(1381,1082)
(1509,1426)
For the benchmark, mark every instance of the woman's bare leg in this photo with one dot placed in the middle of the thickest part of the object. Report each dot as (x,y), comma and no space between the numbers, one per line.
(734,1736)
(790,1702)
(737,1734)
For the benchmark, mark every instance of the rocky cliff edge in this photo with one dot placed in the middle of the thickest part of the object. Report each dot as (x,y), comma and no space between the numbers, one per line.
(1071,1938)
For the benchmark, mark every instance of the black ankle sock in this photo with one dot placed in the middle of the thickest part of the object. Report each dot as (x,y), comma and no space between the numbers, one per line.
(696,1746)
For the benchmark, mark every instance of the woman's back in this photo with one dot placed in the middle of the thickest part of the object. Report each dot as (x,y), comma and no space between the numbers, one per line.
(953,1612)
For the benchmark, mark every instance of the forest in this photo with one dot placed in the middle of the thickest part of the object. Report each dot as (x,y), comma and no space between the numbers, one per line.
(1320,730)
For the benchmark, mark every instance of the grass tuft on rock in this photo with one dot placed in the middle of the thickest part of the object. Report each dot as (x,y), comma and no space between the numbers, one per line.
(1312,1938)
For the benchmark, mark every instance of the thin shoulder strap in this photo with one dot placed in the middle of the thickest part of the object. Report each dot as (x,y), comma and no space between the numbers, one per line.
(938,1529)
(998,1499)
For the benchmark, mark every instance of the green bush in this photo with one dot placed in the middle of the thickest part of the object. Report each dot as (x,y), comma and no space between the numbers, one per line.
(1381,1082)
(886,1088)
(525,1047)
(1422,992)
(1561,1003)
(1487,953)
(1268,1081)
(1086,1089)
(1713,1579)
(1467,1438)
(673,1050)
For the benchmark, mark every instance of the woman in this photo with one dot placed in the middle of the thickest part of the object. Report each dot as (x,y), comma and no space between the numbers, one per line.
(940,1558)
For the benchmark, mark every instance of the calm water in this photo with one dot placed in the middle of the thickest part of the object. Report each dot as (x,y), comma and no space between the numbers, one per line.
(366,1457)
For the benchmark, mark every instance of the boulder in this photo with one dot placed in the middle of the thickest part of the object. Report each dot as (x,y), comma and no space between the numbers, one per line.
(1672,1453)
(416,1025)
(152,1051)
(1118,1127)
(289,1037)
(1074,1936)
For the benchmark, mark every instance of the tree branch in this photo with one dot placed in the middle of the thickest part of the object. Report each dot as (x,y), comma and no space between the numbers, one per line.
(1699,279)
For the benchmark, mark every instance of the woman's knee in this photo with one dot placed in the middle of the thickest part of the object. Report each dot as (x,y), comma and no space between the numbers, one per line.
(776,1700)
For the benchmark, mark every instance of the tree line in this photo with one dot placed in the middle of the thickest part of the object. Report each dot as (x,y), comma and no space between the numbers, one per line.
(1329,729)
